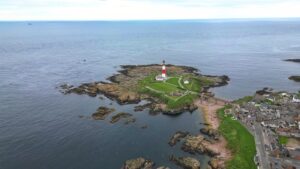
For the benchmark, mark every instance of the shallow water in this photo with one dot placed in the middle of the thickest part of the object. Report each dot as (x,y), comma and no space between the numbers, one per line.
(40,127)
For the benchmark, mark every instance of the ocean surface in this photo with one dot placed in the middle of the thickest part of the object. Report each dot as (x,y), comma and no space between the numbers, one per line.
(40,128)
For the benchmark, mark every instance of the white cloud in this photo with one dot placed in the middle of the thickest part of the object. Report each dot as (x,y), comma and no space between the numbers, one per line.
(145,9)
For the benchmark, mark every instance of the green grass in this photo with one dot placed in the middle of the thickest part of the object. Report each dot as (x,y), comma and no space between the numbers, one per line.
(283,140)
(243,100)
(163,90)
(205,81)
(194,85)
(182,101)
(174,81)
(240,142)
(164,87)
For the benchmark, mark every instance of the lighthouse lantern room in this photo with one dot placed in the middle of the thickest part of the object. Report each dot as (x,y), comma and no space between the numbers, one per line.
(163,75)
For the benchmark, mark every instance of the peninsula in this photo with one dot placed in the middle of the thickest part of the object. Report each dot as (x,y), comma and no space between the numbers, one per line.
(170,89)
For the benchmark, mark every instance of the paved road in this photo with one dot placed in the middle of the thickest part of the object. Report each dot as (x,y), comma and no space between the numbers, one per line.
(260,147)
(290,161)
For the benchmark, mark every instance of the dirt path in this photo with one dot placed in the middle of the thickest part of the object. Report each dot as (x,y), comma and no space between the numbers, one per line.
(209,109)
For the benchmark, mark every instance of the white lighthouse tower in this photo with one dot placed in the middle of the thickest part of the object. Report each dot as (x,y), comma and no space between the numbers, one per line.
(163,70)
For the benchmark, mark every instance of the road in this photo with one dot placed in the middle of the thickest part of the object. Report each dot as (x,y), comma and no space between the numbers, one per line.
(260,147)
(289,161)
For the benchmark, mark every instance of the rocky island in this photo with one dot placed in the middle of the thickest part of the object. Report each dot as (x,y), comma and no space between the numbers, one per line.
(172,94)
(180,89)
(295,78)
(293,60)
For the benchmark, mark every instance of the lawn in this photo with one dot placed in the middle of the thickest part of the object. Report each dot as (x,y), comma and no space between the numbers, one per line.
(185,100)
(163,90)
(193,85)
(240,142)
(196,83)
(163,87)
(174,81)
(283,140)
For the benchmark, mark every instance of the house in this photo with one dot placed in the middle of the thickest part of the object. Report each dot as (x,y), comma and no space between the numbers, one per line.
(296,100)
(159,78)
(186,82)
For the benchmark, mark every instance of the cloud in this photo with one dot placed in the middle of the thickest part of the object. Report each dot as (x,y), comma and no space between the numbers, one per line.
(145,9)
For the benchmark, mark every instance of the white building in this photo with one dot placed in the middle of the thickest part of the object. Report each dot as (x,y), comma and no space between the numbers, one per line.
(296,100)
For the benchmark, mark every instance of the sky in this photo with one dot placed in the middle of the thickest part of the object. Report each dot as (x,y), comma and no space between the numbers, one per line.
(146,9)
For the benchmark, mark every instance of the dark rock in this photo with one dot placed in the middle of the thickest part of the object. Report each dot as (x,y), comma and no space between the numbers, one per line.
(142,107)
(66,86)
(265,90)
(102,112)
(295,78)
(119,116)
(177,137)
(144,127)
(293,60)
(186,162)
(138,163)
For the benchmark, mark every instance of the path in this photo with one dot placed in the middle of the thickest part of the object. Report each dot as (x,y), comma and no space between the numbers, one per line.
(209,109)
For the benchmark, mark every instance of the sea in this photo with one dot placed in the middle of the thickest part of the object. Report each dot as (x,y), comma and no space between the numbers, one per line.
(40,128)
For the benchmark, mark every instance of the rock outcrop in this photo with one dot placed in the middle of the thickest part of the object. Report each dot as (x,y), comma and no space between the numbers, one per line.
(215,134)
(102,112)
(198,144)
(186,162)
(177,137)
(293,60)
(216,163)
(138,163)
(295,78)
(142,107)
(119,116)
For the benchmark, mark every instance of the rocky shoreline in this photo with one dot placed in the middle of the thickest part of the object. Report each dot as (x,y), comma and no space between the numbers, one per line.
(123,87)
(193,144)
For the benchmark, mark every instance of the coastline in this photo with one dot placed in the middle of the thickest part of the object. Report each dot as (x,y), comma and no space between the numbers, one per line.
(209,109)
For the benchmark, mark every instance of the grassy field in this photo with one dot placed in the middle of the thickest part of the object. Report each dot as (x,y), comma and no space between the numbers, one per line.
(173,80)
(164,87)
(240,142)
(283,140)
(193,85)
(166,91)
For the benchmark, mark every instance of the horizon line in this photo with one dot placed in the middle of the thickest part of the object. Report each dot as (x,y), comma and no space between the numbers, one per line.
(126,20)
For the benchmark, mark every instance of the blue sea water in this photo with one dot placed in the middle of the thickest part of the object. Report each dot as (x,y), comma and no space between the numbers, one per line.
(40,127)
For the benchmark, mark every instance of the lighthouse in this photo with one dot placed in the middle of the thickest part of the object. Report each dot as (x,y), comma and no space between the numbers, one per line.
(163,70)
(163,75)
